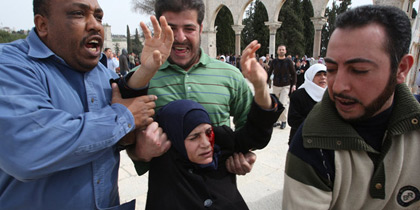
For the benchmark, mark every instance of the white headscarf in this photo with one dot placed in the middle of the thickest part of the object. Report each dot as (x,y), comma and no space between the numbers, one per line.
(314,91)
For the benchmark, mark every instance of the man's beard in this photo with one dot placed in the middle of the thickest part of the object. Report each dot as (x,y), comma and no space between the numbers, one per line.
(376,104)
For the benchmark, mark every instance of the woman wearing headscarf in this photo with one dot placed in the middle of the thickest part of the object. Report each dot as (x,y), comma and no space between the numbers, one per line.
(309,93)
(193,173)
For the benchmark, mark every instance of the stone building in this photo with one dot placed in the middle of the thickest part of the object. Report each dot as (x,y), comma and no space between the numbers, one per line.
(273,7)
(111,41)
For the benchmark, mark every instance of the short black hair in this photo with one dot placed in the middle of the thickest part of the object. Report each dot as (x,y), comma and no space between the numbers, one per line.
(106,49)
(177,6)
(41,7)
(395,22)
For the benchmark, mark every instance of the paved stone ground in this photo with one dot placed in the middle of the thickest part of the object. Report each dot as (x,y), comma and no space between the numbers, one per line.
(262,189)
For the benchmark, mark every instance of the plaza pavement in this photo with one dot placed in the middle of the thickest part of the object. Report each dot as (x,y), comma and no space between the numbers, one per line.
(262,189)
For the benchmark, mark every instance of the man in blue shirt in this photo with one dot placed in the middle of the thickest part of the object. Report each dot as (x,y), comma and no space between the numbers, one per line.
(60,121)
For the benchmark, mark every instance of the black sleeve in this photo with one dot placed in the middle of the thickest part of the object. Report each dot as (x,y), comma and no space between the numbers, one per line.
(292,71)
(127,92)
(295,116)
(270,70)
(256,132)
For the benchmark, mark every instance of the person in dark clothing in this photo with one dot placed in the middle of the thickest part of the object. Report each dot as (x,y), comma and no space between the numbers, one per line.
(284,81)
(299,74)
(303,100)
(193,174)
(124,66)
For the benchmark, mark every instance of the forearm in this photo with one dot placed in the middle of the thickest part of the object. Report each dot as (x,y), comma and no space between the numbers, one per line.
(141,77)
(262,96)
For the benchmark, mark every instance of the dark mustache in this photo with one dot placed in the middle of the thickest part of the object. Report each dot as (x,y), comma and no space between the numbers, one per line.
(93,33)
(340,95)
(182,43)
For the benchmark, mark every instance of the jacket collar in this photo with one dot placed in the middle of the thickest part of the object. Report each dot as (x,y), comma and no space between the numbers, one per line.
(317,131)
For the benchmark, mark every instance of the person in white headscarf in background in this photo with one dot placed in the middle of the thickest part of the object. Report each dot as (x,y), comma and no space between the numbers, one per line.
(309,93)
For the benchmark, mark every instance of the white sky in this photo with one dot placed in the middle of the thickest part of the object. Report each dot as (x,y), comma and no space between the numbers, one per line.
(17,14)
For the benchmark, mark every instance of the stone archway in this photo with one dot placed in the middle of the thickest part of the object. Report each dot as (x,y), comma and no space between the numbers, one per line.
(273,7)
(238,8)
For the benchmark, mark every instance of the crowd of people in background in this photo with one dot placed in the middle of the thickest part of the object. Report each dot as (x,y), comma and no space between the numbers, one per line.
(120,64)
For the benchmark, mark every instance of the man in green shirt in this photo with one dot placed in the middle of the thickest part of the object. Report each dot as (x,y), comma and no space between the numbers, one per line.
(189,73)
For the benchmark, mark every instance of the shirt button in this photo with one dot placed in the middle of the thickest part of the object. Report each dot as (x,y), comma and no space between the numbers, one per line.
(378,186)
(190,171)
(189,88)
(309,141)
(415,121)
(92,100)
(99,181)
(208,203)
(338,143)
(129,125)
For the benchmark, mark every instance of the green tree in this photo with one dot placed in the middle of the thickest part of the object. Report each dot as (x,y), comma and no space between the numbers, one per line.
(308,27)
(137,45)
(6,37)
(117,48)
(129,42)
(291,32)
(225,36)
(329,27)
(248,33)
(261,31)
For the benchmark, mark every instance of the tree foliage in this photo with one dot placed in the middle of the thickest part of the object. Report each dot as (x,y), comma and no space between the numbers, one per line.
(225,36)
(291,32)
(129,42)
(137,45)
(308,27)
(144,6)
(329,27)
(248,33)
(6,37)
(117,48)
(255,28)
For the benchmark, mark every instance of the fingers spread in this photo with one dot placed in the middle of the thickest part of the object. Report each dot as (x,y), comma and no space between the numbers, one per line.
(156,27)
(147,33)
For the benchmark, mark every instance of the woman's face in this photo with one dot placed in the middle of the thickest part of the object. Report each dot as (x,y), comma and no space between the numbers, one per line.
(198,146)
(320,79)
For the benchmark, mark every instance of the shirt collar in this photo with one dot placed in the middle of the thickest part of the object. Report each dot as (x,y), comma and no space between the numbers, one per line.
(37,48)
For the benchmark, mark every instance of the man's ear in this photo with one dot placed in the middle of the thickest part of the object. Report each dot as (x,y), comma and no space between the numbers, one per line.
(404,67)
(41,25)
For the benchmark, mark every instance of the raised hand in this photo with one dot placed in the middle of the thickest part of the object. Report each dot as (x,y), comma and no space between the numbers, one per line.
(256,74)
(156,50)
(251,69)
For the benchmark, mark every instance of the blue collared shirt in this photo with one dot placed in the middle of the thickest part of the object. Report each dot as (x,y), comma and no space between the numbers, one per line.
(58,132)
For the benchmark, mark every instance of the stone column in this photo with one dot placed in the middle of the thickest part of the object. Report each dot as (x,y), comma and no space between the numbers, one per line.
(318,24)
(238,30)
(273,26)
(208,42)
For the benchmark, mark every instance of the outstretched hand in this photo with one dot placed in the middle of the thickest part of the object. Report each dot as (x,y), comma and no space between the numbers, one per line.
(157,47)
(256,74)
(251,69)
(156,50)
